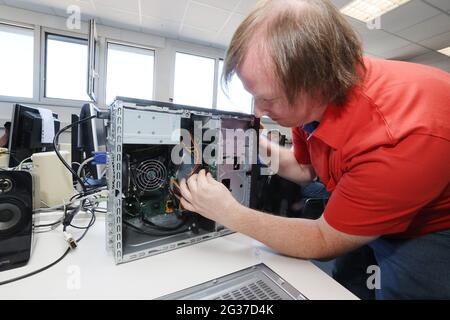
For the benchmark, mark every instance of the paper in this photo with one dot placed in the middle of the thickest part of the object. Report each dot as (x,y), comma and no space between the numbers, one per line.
(48,126)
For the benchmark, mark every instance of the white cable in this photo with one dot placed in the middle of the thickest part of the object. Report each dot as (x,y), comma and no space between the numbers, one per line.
(101,192)
(22,162)
(80,168)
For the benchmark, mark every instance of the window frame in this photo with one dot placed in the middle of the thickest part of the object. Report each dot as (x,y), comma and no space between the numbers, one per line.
(104,72)
(43,72)
(252,106)
(36,44)
(198,54)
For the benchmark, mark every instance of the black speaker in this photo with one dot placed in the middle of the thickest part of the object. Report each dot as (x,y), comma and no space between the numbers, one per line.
(16,218)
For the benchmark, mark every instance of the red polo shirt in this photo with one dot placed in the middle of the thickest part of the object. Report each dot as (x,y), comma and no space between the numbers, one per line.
(385,154)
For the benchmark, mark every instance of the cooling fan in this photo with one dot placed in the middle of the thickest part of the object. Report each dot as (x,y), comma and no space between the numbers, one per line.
(150,175)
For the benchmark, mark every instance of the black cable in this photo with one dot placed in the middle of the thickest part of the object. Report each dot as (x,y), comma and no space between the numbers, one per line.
(91,222)
(48,224)
(156,226)
(51,224)
(36,271)
(68,217)
(87,193)
(155,231)
(55,144)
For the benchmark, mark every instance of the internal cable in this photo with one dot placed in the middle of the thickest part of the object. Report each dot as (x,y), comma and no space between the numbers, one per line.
(156,231)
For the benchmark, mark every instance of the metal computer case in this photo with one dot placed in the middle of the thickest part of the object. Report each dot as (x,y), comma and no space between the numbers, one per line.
(140,122)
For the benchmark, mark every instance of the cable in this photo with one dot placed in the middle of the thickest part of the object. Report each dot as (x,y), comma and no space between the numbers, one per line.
(22,162)
(76,197)
(36,271)
(155,231)
(91,222)
(55,144)
(85,162)
(49,224)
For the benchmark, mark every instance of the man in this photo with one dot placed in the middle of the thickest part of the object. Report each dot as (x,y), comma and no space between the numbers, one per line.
(376,132)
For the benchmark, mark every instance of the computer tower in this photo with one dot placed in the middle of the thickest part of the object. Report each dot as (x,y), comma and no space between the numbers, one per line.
(151,146)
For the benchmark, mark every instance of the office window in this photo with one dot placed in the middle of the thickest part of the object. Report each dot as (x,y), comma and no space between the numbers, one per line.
(194,80)
(16,61)
(237,98)
(66,67)
(129,72)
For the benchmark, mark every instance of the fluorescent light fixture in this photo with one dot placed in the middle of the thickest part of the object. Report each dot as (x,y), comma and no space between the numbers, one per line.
(445,51)
(367,10)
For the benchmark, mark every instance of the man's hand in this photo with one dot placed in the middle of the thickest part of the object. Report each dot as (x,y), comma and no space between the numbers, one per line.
(208,197)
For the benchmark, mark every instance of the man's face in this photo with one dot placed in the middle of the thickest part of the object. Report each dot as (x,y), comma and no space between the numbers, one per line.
(269,100)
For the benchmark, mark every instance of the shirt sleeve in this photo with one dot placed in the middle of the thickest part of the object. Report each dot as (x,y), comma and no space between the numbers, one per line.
(383,190)
(300,148)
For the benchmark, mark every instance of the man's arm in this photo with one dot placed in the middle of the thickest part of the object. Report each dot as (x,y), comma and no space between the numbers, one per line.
(282,161)
(302,238)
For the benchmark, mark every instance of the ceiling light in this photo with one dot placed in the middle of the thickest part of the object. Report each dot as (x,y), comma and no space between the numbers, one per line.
(367,10)
(445,51)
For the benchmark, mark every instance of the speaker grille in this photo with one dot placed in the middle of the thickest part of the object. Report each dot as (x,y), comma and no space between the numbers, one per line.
(10,216)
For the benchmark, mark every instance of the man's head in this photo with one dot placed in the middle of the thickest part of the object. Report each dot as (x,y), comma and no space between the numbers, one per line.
(295,57)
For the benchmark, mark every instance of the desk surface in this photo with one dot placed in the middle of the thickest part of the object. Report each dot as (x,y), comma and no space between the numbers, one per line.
(89,272)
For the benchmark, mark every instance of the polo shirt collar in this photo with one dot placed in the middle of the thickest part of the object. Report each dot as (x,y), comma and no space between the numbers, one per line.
(332,127)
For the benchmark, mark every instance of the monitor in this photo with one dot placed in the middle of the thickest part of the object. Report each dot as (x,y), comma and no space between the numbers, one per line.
(32,130)
(91,138)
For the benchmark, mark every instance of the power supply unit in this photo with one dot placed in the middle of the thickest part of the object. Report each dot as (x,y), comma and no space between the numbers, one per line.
(151,146)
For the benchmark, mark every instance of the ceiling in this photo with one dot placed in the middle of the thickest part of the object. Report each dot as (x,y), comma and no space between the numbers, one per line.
(413,31)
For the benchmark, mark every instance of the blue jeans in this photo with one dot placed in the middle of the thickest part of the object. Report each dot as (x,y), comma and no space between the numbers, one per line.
(315,190)
(414,268)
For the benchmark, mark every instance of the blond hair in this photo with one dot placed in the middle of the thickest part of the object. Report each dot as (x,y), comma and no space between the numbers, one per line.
(312,48)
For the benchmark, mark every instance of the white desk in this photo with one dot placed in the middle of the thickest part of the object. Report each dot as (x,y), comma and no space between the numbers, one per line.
(152,277)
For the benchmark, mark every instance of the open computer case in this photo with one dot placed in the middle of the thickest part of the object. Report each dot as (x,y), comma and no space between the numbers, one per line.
(144,214)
